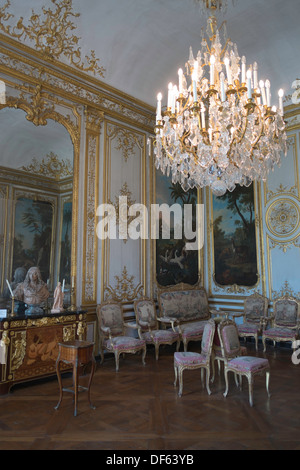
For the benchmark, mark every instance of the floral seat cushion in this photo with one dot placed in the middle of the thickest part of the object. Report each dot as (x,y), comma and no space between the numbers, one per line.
(280,333)
(189,358)
(160,336)
(246,364)
(192,329)
(124,343)
(248,328)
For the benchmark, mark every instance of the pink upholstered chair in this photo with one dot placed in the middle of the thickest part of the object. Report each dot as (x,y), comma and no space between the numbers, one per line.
(247,366)
(112,333)
(192,360)
(145,312)
(255,317)
(285,322)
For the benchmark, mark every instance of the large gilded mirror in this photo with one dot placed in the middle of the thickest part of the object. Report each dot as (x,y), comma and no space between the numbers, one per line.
(36,197)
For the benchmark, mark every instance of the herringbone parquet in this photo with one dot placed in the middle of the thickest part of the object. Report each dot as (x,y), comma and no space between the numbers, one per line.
(138,408)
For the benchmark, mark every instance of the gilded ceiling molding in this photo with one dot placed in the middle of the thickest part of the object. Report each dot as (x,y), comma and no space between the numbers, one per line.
(49,33)
(83,93)
(125,290)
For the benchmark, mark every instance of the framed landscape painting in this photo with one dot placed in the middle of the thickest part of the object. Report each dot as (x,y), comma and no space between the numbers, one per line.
(33,225)
(173,263)
(235,250)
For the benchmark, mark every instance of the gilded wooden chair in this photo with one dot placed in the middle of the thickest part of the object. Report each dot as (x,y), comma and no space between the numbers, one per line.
(192,360)
(147,320)
(112,332)
(235,362)
(285,321)
(255,317)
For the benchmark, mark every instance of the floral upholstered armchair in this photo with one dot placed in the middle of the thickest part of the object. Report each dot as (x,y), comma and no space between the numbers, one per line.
(255,317)
(235,362)
(145,312)
(189,309)
(285,321)
(112,333)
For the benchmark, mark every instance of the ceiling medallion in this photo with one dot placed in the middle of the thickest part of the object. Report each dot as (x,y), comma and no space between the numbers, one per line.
(220,128)
(51,34)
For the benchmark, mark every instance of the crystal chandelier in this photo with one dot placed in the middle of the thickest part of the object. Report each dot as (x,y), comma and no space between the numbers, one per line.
(220,128)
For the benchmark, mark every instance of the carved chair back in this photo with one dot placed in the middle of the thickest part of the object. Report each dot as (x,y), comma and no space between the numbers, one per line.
(229,339)
(145,311)
(286,312)
(255,308)
(208,337)
(110,314)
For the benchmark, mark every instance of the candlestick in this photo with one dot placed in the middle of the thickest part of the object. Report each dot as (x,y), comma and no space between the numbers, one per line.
(222,82)
(158,111)
(228,71)
(194,78)
(73,281)
(263,92)
(268,86)
(203,117)
(243,69)
(11,292)
(255,75)
(170,92)
(249,87)
(174,98)
(180,85)
(280,94)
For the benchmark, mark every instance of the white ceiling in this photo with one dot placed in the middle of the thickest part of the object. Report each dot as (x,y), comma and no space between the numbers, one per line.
(142,43)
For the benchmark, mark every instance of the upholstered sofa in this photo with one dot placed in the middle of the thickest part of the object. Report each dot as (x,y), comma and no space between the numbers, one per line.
(187,308)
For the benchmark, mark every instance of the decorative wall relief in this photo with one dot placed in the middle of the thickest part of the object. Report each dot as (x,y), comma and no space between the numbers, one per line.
(125,290)
(93,127)
(283,217)
(50,34)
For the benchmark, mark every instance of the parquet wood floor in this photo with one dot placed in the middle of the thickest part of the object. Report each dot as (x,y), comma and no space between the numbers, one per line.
(138,408)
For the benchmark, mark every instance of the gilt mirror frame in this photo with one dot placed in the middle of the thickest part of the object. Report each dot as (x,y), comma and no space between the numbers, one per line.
(39,107)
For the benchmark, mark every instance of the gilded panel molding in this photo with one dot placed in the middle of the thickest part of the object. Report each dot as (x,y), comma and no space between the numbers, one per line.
(121,145)
(293,187)
(93,121)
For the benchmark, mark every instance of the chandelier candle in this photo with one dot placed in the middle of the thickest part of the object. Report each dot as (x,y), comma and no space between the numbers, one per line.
(220,128)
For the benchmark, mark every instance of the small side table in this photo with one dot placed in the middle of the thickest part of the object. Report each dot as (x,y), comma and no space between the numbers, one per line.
(78,353)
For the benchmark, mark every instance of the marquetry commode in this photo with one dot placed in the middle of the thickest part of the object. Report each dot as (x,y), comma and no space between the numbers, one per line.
(29,345)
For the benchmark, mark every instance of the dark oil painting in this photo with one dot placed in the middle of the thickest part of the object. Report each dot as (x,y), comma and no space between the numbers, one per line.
(235,238)
(175,264)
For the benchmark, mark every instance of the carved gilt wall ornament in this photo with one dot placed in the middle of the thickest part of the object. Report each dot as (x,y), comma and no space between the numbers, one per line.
(51,33)
(285,291)
(122,209)
(125,289)
(283,217)
(51,167)
(126,140)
